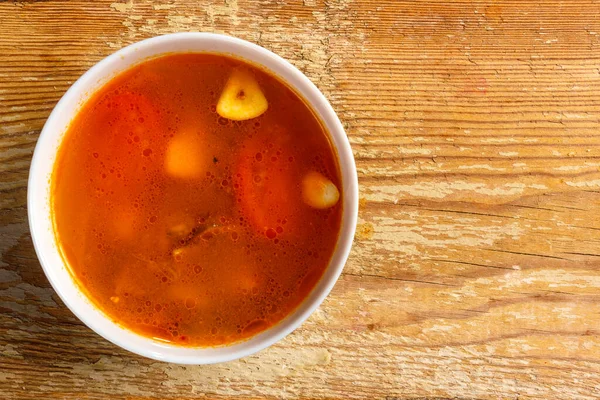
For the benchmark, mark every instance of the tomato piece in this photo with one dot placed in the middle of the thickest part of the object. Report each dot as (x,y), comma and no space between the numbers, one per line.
(133,114)
(268,187)
(122,150)
(131,119)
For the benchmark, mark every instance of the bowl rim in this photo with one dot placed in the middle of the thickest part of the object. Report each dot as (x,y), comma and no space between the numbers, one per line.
(39,211)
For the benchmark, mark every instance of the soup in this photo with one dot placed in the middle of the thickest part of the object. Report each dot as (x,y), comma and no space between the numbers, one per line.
(196,199)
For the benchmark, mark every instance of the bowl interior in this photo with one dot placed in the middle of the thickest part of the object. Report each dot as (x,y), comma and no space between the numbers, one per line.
(39,194)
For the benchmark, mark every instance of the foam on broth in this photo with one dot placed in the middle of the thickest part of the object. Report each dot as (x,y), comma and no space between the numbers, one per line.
(186,226)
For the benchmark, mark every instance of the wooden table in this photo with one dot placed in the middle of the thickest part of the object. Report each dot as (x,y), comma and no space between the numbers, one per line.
(475,272)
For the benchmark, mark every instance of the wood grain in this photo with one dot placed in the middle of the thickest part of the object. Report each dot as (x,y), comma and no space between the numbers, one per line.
(475,272)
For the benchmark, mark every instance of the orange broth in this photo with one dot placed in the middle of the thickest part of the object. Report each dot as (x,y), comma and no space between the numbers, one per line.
(218,253)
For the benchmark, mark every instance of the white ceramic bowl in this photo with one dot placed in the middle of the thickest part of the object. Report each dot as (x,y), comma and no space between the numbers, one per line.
(38,197)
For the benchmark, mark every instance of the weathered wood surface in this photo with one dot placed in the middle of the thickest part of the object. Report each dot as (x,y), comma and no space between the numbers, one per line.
(475,272)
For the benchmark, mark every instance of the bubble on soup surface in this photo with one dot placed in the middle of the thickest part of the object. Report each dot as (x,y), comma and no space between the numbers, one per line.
(270,233)
(190,303)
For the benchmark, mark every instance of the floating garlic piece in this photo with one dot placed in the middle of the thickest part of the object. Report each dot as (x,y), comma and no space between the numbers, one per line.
(241,98)
(318,191)
(114,299)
